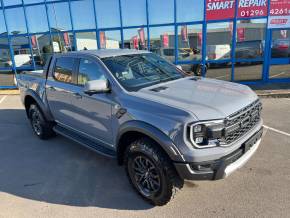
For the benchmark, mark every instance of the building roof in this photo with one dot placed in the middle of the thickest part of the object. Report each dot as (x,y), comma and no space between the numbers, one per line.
(104,53)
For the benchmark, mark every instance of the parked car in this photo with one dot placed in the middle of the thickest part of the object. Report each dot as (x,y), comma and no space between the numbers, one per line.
(219,52)
(184,54)
(162,125)
(249,49)
(281,48)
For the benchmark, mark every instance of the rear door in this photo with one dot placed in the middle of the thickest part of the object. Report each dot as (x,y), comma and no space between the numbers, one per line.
(59,89)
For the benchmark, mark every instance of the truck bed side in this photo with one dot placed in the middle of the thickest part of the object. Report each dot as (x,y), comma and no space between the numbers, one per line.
(32,85)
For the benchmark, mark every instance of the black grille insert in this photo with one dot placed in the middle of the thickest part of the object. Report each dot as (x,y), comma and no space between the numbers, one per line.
(241,122)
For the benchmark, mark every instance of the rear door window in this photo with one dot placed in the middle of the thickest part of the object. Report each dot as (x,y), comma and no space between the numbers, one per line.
(63,70)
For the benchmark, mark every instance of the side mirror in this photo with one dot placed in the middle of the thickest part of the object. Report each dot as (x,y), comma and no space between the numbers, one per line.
(96,86)
(179,67)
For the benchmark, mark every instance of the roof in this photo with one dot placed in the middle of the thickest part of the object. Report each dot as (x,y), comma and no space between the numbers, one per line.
(104,53)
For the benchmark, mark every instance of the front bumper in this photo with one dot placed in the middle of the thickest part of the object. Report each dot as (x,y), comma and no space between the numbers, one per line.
(221,168)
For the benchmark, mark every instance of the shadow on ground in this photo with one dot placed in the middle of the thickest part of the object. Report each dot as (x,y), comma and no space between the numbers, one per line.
(59,171)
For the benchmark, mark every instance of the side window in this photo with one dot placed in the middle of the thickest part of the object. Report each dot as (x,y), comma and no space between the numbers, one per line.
(63,69)
(88,71)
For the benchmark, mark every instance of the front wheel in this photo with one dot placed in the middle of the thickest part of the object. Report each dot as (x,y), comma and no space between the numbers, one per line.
(151,173)
(42,128)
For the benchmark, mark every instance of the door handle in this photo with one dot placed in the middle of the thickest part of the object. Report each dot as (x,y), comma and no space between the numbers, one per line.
(77,95)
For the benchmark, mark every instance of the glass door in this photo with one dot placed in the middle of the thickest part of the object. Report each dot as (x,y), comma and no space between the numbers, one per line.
(280,54)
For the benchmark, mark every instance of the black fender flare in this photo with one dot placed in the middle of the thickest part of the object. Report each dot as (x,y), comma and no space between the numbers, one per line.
(154,133)
(43,107)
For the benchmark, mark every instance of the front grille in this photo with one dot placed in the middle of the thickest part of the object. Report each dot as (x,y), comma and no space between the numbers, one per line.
(241,122)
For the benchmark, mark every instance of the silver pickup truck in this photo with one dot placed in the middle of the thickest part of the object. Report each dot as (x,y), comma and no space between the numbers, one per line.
(163,126)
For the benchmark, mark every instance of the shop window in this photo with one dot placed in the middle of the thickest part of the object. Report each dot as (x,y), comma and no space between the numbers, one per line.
(250,39)
(279,71)
(21,51)
(134,12)
(59,16)
(2,24)
(16,21)
(110,39)
(161,11)
(219,41)
(63,42)
(248,71)
(37,19)
(280,47)
(12,2)
(162,42)
(189,10)
(83,14)
(135,38)
(43,46)
(220,71)
(32,1)
(86,41)
(108,13)
(190,43)
(5,58)
(7,78)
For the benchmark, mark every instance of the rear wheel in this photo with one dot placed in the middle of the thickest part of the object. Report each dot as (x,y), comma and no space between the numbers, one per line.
(41,127)
(151,172)
(198,70)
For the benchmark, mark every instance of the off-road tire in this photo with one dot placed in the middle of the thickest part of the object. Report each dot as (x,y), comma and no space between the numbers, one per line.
(170,182)
(42,128)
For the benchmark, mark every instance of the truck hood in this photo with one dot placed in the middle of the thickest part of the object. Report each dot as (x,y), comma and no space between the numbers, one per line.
(205,98)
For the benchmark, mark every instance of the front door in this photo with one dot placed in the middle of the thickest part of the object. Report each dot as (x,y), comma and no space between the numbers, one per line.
(280,54)
(92,114)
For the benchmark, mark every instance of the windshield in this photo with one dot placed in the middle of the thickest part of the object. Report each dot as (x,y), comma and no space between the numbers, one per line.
(138,71)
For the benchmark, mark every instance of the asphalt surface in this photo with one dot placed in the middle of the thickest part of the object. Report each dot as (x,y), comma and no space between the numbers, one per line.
(59,178)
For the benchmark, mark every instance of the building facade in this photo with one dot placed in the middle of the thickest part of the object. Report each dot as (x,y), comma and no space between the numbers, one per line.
(246,41)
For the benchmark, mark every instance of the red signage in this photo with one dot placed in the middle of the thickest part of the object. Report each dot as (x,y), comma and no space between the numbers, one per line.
(279,7)
(66,39)
(199,38)
(252,8)
(184,35)
(135,42)
(241,34)
(102,39)
(33,41)
(142,36)
(165,40)
(220,9)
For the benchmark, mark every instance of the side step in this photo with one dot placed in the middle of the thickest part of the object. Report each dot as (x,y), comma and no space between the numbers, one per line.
(85,141)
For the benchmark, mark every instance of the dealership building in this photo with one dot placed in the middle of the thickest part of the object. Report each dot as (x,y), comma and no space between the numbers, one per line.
(245,41)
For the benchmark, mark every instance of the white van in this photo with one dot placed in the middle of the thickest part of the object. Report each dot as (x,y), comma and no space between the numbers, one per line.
(218,52)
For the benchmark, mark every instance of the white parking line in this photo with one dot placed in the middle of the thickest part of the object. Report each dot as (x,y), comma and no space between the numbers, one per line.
(219,77)
(276,130)
(3,98)
(279,74)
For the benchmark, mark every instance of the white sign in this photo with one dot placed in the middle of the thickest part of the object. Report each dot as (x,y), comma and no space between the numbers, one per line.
(276,22)
(55,47)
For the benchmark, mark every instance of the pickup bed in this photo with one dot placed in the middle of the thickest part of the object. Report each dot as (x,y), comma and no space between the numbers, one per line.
(162,125)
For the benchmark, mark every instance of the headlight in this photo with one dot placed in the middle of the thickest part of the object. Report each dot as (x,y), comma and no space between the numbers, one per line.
(206,134)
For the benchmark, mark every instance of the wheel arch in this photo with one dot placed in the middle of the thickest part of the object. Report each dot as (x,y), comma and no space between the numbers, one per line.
(133,130)
(33,98)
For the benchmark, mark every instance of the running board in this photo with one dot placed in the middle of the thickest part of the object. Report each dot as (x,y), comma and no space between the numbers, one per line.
(85,141)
